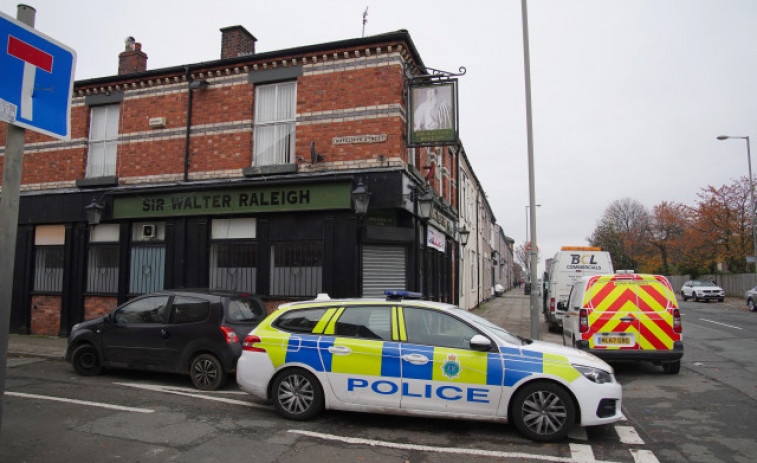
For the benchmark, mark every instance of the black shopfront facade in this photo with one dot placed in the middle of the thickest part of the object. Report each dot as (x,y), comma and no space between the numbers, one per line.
(284,238)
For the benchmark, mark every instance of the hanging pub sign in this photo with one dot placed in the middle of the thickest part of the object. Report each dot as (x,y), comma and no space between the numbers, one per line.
(435,239)
(433,114)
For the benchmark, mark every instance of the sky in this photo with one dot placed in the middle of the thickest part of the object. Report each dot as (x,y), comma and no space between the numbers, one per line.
(627,95)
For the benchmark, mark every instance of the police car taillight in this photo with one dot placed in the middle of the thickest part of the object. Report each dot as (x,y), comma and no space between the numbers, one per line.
(231,335)
(583,320)
(249,344)
(677,328)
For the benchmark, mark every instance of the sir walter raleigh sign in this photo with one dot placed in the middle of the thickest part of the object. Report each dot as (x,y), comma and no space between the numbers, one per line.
(242,200)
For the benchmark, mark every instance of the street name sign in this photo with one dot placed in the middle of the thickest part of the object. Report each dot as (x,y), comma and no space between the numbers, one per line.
(36,79)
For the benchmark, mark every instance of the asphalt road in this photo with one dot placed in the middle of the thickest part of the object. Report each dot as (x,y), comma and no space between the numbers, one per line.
(702,414)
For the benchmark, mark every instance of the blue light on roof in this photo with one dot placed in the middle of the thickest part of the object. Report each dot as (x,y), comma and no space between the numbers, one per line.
(403,294)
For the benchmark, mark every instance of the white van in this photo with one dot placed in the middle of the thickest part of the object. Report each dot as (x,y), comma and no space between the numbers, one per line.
(568,265)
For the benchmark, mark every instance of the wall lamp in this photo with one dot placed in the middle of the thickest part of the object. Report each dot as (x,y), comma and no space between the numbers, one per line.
(425,205)
(360,198)
(464,235)
(94,211)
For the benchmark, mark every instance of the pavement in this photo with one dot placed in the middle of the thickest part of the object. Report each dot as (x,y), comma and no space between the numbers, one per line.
(510,311)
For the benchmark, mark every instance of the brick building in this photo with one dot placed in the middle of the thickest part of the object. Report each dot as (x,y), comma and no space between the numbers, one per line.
(239,173)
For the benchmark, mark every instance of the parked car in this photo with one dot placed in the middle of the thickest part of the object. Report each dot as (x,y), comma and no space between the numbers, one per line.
(405,356)
(702,290)
(751,299)
(499,290)
(194,332)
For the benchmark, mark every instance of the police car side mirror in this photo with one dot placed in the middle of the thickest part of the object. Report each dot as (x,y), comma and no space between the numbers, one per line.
(481,343)
(561,306)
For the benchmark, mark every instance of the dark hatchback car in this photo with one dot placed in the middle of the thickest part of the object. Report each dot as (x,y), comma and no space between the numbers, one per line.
(195,332)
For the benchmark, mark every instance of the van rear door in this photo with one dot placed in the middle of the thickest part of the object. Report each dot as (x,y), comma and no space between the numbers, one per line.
(613,310)
(657,304)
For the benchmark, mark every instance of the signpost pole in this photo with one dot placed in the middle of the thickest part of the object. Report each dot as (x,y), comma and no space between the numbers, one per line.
(9,205)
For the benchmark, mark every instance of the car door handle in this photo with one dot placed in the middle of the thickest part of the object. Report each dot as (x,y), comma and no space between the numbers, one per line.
(340,350)
(415,359)
(628,318)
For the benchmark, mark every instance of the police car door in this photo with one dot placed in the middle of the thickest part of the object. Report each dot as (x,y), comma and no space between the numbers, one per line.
(440,372)
(362,364)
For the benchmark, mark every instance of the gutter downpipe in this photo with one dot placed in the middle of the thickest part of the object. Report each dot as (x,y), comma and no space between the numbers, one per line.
(189,124)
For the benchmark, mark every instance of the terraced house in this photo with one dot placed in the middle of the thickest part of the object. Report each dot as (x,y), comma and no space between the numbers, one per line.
(283,173)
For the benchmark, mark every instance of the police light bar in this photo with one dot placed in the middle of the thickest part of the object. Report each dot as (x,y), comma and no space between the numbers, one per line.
(403,294)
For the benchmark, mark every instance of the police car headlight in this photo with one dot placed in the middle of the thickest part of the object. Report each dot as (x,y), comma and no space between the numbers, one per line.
(594,375)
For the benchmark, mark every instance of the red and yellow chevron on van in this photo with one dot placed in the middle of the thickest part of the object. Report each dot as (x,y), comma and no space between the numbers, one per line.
(625,317)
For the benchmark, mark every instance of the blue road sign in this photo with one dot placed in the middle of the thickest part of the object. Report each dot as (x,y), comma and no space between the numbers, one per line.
(36,79)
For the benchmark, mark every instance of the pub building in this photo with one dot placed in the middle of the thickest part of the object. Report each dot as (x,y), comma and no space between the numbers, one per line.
(286,174)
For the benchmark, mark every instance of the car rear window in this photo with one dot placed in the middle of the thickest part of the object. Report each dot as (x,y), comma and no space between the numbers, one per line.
(299,321)
(189,310)
(245,309)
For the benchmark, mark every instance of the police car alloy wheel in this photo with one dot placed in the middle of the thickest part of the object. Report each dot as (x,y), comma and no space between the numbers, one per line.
(543,411)
(297,395)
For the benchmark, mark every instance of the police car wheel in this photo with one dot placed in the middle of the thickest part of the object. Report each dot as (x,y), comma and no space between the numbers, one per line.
(207,373)
(543,411)
(86,361)
(297,395)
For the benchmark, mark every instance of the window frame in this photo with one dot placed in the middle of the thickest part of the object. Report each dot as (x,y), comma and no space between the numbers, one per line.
(288,123)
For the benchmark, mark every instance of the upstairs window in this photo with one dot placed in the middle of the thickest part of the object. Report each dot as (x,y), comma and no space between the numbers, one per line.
(103,140)
(275,110)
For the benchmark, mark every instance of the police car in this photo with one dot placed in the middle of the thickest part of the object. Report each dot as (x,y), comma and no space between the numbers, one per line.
(406,356)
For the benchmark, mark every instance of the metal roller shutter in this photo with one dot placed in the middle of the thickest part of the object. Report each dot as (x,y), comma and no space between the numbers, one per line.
(384,268)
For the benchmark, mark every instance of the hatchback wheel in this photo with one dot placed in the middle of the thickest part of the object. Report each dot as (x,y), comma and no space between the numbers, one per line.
(683,295)
(86,360)
(297,395)
(543,411)
(207,373)
(751,305)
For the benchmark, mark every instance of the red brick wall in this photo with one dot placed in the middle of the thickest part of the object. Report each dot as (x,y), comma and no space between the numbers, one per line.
(46,315)
(95,306)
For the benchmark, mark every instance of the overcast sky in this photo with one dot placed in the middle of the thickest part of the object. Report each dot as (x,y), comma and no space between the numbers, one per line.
(628,95)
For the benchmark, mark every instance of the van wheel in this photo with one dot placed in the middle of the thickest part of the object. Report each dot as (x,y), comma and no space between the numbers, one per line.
(86,361)
(543,411)
(297,395)
(672,368)
(207,373)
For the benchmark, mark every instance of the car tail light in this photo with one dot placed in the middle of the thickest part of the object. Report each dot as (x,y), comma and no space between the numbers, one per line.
(552,304)
(231,335)
(583,320)
(677,328)
(249,344)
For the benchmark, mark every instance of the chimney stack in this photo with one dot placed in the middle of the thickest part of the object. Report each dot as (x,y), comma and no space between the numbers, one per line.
(132,59)
(236,41)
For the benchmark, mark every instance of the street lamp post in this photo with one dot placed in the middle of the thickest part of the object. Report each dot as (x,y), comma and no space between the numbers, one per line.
(751,193)
(527,206)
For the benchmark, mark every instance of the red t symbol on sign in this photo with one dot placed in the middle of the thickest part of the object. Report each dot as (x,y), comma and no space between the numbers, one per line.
(33,58)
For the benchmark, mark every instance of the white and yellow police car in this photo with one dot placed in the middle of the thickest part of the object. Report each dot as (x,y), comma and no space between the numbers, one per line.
(405,356)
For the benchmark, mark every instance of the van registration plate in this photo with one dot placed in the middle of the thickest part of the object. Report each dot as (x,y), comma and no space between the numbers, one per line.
(615,339)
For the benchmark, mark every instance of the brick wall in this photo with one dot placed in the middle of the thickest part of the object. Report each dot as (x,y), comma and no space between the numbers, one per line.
(95,306)
(46,315)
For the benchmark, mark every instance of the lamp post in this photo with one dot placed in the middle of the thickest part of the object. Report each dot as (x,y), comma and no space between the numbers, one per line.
(527,206)
(751,193)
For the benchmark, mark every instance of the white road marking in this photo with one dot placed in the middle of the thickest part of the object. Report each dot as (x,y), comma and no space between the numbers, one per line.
(79,402)
(582,453)
(579,433)
(448,450)
(722,324)
(643,456)
(628,435)
(177,391)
